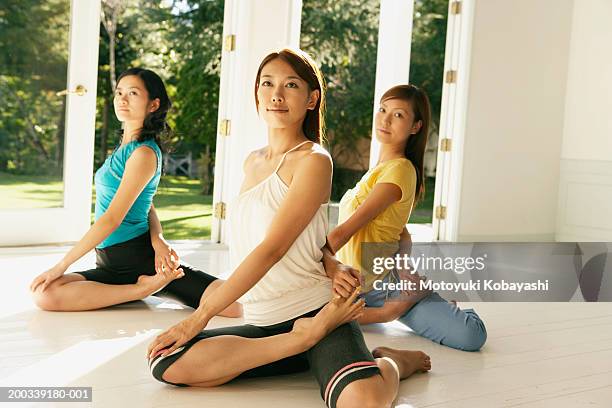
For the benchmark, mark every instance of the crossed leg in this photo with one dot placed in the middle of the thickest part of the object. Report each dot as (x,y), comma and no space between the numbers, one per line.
(72,292)
(207,362)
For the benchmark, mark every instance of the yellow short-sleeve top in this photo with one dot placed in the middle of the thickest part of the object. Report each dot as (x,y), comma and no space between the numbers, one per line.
(388,225)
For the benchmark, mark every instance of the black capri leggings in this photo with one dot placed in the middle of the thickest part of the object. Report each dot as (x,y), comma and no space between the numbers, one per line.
(123,263)
(336,361)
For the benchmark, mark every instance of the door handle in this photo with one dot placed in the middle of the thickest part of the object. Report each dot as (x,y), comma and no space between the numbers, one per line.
(80,90)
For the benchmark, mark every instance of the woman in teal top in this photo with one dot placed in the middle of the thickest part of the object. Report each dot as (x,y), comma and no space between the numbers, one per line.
(107,181)
(133,260)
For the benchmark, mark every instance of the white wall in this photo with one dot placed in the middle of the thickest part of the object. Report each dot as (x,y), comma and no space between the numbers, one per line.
(585,188)
(514,123)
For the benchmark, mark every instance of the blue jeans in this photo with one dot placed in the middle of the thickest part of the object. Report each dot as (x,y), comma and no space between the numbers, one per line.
(437,320)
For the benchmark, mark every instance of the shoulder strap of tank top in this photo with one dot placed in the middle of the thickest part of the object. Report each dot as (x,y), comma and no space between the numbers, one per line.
(289,151)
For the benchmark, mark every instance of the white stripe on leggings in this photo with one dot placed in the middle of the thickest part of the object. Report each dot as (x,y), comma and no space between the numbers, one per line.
(352,370)
(156,362)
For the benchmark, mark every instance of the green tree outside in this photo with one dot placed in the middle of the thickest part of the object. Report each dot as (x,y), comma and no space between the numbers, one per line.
(182,42)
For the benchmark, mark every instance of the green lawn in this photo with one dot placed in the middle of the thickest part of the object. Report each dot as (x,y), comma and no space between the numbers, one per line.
(183,211)
(423,213)
(18,192)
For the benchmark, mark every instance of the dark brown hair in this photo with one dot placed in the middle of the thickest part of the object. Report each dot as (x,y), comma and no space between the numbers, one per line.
(307,69)
(415,145)
(155,125)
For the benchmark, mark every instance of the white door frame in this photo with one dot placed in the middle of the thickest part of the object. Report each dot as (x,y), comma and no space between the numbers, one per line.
(393,65)
(449,168)
(68,223)
(250,22)
(392,55)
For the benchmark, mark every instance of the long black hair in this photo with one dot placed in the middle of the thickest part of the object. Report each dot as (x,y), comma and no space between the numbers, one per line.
(155,125)
(416,144)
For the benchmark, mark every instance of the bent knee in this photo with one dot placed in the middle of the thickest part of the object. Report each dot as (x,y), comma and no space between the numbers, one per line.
(48,300)
(471,338)
(181,374)
(174,375)
(366,393)
(233,310)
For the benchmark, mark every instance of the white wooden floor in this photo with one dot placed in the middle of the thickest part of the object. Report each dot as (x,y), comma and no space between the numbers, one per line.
(537,354)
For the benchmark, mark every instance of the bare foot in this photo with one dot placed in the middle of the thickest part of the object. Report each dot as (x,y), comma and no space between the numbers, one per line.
(149,284)
(333,314)
(408,361)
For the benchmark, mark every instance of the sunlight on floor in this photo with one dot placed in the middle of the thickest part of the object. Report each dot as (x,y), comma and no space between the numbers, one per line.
(69,365)
(537,354)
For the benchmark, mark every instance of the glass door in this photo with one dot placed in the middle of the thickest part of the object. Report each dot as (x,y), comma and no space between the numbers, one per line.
(48,74)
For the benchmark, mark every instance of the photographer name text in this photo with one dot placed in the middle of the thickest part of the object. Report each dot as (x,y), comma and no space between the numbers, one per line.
(473,285)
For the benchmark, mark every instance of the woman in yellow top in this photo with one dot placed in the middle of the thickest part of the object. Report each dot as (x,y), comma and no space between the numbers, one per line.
(376,211)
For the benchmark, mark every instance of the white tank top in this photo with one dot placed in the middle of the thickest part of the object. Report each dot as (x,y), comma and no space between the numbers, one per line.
(297,283)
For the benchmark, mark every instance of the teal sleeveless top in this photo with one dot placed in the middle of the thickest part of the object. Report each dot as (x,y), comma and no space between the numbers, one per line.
(107,180)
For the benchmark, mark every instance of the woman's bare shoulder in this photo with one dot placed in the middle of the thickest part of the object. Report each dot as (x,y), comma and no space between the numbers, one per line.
(252,157)
(318,154)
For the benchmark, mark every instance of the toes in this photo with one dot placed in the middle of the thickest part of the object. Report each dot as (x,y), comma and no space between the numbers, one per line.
(354,295)
(427,364)
(358,306)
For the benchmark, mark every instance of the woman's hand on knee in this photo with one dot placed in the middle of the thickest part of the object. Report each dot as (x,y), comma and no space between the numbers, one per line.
(166,258)
(175,337)
(46,278)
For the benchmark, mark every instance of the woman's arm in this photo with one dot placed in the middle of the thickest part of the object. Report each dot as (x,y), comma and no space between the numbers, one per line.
(405,242)
(155,227)
(330,262)
(390,311)
(166,258)
(345,279)
(381,197)
(295,213)
(139,169)
(395,308)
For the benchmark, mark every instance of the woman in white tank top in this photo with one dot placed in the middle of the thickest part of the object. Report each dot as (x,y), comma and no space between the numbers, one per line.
(278,227)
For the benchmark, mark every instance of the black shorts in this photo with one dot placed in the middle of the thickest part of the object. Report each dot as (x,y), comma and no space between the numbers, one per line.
(339,359)
(123,263)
